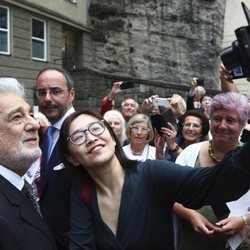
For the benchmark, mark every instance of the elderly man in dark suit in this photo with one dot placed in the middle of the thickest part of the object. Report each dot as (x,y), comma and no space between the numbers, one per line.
(55,95)
(21,225)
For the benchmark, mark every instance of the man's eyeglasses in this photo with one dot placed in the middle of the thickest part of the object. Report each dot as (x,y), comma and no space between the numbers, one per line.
(53,91)
(80,136)
(138,129)
(193,125)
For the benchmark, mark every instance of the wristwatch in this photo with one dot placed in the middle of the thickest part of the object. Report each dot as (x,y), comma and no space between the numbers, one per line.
(175,149)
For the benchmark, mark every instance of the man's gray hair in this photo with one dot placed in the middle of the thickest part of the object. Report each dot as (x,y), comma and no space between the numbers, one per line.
(11,85)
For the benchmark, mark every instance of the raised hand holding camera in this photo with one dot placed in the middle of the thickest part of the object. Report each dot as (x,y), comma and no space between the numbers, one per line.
(237,56)
(161,102)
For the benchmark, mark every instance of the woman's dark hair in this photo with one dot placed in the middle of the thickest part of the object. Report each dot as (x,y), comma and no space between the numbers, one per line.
(204,121)
(126,163)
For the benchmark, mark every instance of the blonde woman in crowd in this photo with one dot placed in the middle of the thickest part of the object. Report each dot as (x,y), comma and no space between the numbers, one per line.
(140,133)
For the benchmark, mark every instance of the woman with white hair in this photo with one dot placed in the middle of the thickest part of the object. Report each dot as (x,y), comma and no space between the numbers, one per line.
(117,123)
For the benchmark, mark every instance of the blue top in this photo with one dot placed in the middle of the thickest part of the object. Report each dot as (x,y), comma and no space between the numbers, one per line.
(148,194)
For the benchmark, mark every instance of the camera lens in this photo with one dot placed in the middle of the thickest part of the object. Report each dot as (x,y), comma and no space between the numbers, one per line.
(229,57)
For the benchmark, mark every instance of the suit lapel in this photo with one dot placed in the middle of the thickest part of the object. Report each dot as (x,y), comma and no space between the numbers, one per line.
(31,216)
(47,169)
(27,211)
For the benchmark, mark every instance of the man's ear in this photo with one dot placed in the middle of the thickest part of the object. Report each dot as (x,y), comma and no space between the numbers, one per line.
(72,94)
(72,160)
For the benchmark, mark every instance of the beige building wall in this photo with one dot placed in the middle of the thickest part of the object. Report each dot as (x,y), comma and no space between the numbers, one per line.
(73,10)
(235,18)
(75,54)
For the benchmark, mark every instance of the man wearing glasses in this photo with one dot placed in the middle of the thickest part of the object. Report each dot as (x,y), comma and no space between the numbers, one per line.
(55,94)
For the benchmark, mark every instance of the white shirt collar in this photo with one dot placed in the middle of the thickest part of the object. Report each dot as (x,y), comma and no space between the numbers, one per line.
(58,126)
(30,175)
(59,123)
(12,177)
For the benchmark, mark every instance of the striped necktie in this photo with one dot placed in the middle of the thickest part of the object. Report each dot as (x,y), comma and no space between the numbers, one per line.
(31,194)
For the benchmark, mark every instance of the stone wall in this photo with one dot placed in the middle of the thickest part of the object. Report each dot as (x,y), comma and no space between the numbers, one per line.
(162,40)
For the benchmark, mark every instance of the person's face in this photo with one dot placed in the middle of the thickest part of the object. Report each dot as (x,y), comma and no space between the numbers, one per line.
(156,109)
(129,109)
(192,129)
(206,102)
(55,98)
(225,126)
(115,123)
(139,133)
(96,150)
(198,94)
(19,142)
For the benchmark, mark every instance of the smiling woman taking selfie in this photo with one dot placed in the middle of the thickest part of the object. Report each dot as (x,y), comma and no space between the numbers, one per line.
(128,204)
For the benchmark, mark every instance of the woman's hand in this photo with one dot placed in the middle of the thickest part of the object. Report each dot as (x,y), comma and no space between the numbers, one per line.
(159,146)
(178,105)
(148,106)
(115,90)
(169,133)
(201,225)
(231,225)
(226,80)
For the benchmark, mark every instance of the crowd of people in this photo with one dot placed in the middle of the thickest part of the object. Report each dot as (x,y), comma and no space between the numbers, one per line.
(172,174)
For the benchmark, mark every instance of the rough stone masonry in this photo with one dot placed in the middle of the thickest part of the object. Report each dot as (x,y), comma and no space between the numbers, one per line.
(161,43)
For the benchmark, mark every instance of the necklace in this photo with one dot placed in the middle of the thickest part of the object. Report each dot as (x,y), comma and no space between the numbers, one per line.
(211,152)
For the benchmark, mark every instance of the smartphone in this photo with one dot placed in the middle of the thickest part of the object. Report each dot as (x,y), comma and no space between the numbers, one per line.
(168,116)
(161,102)
(127,85)
(158,122)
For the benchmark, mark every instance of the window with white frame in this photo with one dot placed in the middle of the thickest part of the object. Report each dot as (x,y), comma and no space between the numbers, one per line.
(4,30)
(39,37)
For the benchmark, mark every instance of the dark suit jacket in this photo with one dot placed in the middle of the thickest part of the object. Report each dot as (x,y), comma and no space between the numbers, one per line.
(21,226)
(55,187)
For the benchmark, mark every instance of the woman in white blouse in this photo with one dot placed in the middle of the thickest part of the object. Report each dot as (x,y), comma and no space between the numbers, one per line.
(140,133)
